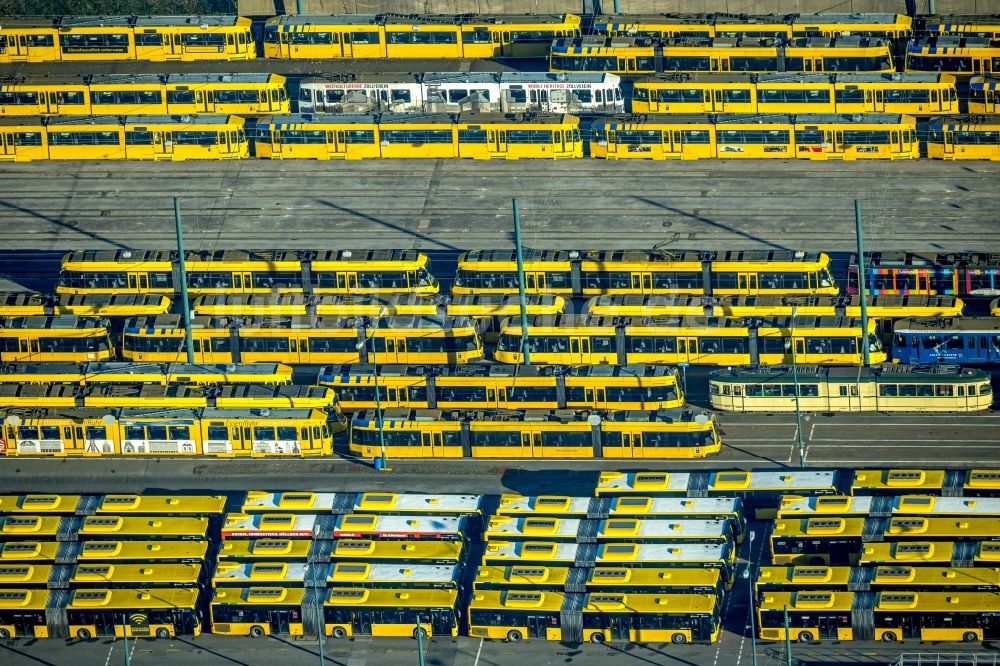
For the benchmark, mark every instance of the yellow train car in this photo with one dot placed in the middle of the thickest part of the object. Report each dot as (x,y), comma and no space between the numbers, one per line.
(885,388)
(27,304)
(733,136)
(338,340)
(631,57)
(644,387)
(54,339)
(103,38)
(415,36)
(434,136)
(887,26)
(962,57)
(911,94)
(589,340)
(964,138)
(167,432)
(248,272)
(973,25)
(167,138)
(984,94)
(680,433)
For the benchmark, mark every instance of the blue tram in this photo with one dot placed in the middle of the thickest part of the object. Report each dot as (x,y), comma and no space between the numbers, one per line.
(967,340)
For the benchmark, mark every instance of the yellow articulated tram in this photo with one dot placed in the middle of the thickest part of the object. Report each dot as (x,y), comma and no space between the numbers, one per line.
(633,56)
(101,38)
(58,338)
(480,136)
(678,433)
(773,305)
(961,57)
(964,138)
(338,340)
(415,36)
(590,340)
(975,25)
(814,137)
(880,388)
(911,94)
(173,138)
(598,617)
(159,432)
(613,387)
(144,94)
(887,26)
(27,304)
(597,272)
(247,272)
(114,372)
(984,94)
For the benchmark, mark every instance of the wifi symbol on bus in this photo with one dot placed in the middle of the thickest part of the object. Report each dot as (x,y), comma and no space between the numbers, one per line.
(138,619)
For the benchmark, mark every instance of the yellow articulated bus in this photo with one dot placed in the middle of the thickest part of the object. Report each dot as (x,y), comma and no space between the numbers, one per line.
(984,94)
(682,433)
(104,527)
(340,340)
(175,431)
(478,136)
(120,504)
(931,553)
(53,339)
(645,530)
(877,578)
(415,36)
(631,56)
(964,137)
(125,95)
(840,541)
(880,388)
(146,575)
(589,340)
(927,506)
(889,616)
(102,38)
(601,579)
(113,372)
(981,483)
(132,551)
(962,57)
(910,94)
(658,271)
(385,503)
(773,305)
(247,272)
(172,395)
(168,138)
(813,137)
(27,304)
(888,26)
(904,481)
(644,387)
(633,617)
(365,551)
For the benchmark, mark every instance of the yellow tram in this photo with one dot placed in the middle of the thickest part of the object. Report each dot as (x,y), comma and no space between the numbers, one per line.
(964,138)
(984,94)
(959,56)
(886,26)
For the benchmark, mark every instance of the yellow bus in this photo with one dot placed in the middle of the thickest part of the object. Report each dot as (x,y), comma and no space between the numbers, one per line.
(385,503)
(889,616)
(309,340)
(29,552)
(904,481)
(984,94)
(434,136)
(981,483)
(125,95)
(877,578)
(964,137)
(265,549)
(962,57)
(415,36)
(62,432)
(884,388)
(147,575)
(911,94)
(597,617)
(158,612)
(658,271)
(119,504)
(104,137)
(675,580)
(683,433)
(23,613)
(102,38)
(247,271)
(931,553)
(90,374)
(141,551)
(631,56)
(59,338)
(611,387)
(929,506)
(649,530)
(591,340)
(25,304)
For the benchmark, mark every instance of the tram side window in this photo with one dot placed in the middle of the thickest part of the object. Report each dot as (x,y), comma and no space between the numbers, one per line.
(648,344)
(272,345)
(331,344)
(203,39)
(832,345)
(495,438)
(83,138)
(866,137)
(27,138)
(723,345)
(218,433)
(237,96)
(114,42)
(856,64)
(416,136)
(471,136)
(540,394)
(180,97)
(421,37)
(476,36)
(695,136)
(912,96)
(139,138)
(981,280)
(461,393)
(365,137)
(37,40)
(531,35)
(675,439)
(557,438)
(781,280)
(607,280)
(153,344)
(529,136)
(675,96)
(637,137)
(189,138)
(289,137)
(585,63)
(18,98)
(753,136)
(849,96)
(977,137)
(148,39)
(306,38)
(749,64)
(939,63)
(210,280)
(56,345)
(685,64)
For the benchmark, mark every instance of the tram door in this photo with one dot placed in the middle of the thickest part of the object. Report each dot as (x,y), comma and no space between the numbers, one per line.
(347,282)
(395,351)
(687,350)
(7,145)
(336,143)
(163,143)
(497,140)
(949,143)
(875,100)
(595,397)
(642,283)
(432,444)
(747,283)
(631,445)
(579,350)
(626,65)
(138,283)
(496,397)
(534,283)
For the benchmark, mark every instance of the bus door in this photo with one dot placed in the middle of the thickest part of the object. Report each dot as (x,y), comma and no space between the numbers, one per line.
(496,397)
(875,100)
(537,626)
(747,283)
(347,282)
(642,283)
(829,628)
(138,283)
(620,627)
(595,397)
(280,621)
(432,444)
(579,350)
(497,140)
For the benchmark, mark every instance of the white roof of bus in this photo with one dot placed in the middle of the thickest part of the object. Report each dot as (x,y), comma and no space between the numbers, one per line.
(273,501)
(564,527)
(401,524)
(667,529)
(859,504)
(423,573)
(530,504)
(790,480)
(417,502)
(678,506)
(930,505)
(664,552)
(293,571)
(563,552)
(266,524)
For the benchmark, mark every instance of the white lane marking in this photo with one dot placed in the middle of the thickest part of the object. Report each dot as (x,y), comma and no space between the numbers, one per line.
(479,651)
(110,650)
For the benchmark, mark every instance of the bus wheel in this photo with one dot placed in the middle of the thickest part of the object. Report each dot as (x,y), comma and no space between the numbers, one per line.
(805,637)
(256,631)
(889,637)
(83,634)
(597,638)
(970,637)
(4,634)
(514,636)
(420,633)
(339,632)
(162,632)
(677,639)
